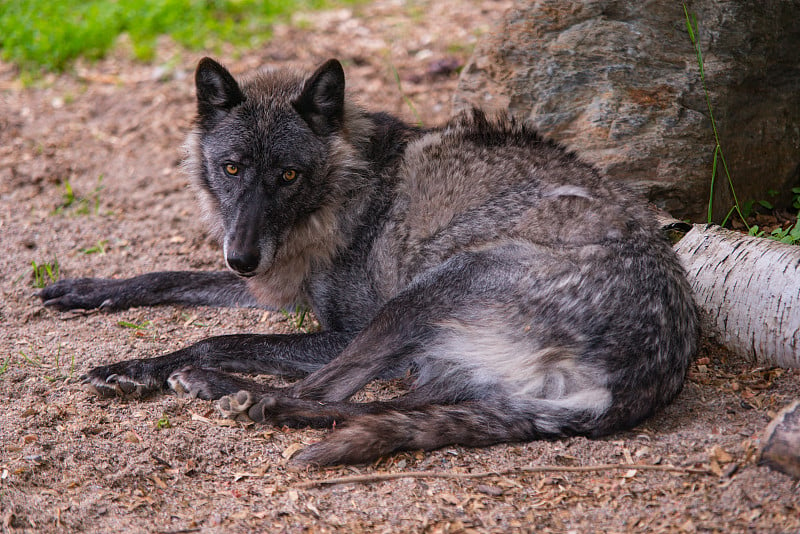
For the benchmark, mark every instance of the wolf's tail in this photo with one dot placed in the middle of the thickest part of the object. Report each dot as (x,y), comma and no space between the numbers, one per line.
(473,424)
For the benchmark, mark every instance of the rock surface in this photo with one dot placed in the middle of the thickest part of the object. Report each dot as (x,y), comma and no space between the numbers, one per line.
(618,82)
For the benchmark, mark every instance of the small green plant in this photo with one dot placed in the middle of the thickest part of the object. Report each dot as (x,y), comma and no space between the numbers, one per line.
(69,195)
(98,248)
(5,366)
(191,320)
(44,273)
(719,156)
(89,204)
(790,235)
(749,206)
(36,357)
(60,362)
(297,317)
(406,99)
(135,326)
(33,359)
(163,423)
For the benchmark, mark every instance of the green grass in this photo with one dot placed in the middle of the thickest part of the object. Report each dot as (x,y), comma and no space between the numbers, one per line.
(49,34)
(163,423)
(82,205)
(406,99)
(719,156)
(44,273)
(790,235)
(297,317)
(98,248)
(135,326)
(34,357)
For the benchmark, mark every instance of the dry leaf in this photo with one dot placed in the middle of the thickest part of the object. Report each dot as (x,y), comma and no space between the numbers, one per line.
(198,417)
(313,509)
(627,454)
(714,467)
(291,450)
(160,483)
(720,455)
(449,498)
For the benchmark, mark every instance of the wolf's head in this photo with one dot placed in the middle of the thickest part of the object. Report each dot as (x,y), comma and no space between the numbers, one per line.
(273,158)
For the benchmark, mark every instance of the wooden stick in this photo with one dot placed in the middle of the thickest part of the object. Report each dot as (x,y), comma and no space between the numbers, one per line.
(376,477)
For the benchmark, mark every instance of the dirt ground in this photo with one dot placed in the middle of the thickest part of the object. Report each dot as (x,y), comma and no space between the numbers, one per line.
(70,461)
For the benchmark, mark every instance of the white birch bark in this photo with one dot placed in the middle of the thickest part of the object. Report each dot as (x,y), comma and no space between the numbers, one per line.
(749,289)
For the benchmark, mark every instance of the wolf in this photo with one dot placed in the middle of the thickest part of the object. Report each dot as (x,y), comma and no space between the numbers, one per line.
(526,296)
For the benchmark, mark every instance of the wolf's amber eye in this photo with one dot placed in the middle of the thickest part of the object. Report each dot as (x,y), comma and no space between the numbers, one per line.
(289,175)
(231,169)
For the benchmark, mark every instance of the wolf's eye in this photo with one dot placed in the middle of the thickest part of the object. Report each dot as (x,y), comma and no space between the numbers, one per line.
(289,175)
(231,169)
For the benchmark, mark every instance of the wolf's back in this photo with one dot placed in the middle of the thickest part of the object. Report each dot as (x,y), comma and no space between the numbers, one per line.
(572,292)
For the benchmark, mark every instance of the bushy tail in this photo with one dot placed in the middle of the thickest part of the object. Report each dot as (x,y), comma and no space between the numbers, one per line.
(473,424)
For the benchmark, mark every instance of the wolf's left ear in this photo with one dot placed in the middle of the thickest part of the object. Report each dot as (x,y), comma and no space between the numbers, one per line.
(321,104)
(217,91)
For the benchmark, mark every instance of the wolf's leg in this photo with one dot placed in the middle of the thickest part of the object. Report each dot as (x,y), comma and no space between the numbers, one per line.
(192,288)
(275,408)
(291,355)
(366,431)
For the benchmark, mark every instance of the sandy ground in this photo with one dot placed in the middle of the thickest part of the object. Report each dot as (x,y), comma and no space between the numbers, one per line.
(70,461)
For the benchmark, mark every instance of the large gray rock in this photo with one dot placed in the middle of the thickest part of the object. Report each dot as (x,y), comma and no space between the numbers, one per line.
(618,82)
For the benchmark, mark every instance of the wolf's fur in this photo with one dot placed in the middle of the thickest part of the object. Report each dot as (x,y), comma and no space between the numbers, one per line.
(530,297)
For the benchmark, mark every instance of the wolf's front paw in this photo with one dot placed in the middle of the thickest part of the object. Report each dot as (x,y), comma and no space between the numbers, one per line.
(124,379)
(83,293)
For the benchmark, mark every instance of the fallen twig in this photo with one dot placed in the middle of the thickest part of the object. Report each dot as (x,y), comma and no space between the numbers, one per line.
(377,477)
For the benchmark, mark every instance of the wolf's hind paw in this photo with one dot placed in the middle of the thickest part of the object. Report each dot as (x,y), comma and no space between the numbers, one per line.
(236,406)
(196,382)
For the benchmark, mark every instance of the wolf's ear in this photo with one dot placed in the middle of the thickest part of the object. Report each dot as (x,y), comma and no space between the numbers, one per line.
(321,104)
(217,91)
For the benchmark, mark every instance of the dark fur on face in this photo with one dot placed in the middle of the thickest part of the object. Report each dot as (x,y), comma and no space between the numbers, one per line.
(530,297)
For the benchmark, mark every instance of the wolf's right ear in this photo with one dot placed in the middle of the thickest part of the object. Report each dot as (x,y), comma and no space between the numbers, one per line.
(217,91)
(321,104)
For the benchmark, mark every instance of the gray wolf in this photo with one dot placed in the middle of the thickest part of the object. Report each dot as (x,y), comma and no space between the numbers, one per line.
(528,297)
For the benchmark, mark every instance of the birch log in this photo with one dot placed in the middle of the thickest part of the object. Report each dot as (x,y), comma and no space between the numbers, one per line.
(749,290)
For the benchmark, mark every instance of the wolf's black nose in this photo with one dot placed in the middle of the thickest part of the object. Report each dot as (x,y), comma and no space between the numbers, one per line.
(243,263)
